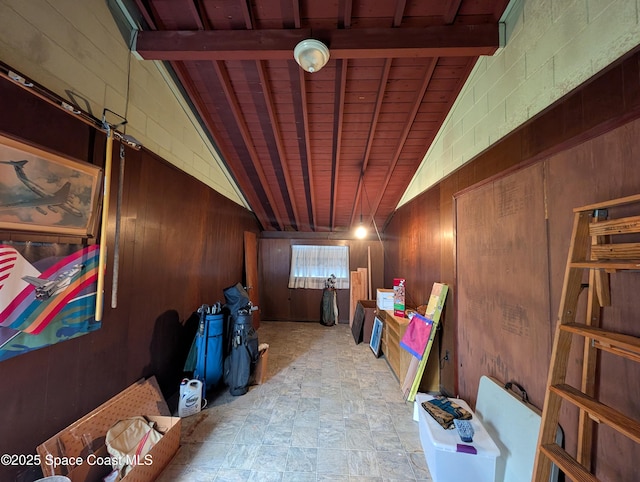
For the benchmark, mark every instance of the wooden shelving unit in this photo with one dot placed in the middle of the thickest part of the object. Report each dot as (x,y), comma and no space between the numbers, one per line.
(392,332)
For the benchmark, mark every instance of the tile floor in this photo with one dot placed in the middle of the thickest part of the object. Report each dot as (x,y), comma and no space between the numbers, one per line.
(328,411)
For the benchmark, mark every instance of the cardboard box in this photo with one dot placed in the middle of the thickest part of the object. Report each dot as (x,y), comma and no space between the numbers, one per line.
(369,307)
(384,299)
(78,452)
(448,458)
(260,371)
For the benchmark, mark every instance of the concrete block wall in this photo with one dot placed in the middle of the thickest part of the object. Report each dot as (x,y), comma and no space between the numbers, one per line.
(75,49)
(552,47)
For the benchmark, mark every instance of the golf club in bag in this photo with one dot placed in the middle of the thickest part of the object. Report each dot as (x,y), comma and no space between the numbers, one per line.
(242,342)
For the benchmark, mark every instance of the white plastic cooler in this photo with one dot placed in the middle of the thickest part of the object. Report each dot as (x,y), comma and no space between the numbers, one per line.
(451,460)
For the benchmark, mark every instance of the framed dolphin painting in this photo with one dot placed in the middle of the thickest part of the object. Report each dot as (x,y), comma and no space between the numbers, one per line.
(44,192)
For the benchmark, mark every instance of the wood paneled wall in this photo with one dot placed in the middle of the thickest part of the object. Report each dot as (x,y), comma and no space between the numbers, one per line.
(588,145)
(181,244)
(415,253)
(280,303)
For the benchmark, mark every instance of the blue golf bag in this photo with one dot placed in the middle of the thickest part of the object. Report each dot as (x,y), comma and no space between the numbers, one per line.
(209,346)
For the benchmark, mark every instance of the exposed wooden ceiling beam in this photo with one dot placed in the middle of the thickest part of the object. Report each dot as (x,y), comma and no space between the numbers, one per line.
(341,87)
(246,14)
(304,111)
(234,105)
(146,14)
(435,41)
(344,17)
(249,195)
(397,21)
(344,21)
(451,13)
(372,131)
(296,13)
(277,135)
(399,14)
(405,133)
(195,8)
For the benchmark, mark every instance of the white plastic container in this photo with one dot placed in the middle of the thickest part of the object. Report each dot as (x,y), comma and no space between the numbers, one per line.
(447,456)
(190,397)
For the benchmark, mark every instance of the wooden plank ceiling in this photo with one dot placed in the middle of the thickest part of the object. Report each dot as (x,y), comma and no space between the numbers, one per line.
(315,152)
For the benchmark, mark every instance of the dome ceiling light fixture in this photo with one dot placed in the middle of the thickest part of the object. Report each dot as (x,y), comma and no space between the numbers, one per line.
(311,55)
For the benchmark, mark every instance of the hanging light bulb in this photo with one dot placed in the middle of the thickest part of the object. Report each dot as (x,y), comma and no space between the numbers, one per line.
(361,231)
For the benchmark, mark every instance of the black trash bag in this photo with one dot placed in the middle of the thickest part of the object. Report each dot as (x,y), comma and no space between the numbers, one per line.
(243,355)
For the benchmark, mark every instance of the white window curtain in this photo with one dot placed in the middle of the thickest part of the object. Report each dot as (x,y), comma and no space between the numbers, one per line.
(312,265)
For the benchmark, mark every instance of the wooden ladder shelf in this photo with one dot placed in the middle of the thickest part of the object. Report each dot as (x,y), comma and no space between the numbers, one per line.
(592,248)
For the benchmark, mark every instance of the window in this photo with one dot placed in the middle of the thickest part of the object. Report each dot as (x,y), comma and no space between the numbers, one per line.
(312,265)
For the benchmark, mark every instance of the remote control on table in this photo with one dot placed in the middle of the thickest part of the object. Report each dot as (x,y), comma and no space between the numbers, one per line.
(465,430)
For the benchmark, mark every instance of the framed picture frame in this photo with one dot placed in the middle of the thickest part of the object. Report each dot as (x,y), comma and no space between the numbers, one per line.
(376,336)
(44,192)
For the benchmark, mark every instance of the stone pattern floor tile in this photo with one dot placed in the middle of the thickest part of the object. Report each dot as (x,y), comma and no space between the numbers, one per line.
(328,411)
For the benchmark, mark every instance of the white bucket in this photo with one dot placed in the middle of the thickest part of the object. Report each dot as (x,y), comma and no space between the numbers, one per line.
(190,401)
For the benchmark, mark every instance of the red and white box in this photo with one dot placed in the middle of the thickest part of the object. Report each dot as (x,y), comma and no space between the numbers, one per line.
(399,296)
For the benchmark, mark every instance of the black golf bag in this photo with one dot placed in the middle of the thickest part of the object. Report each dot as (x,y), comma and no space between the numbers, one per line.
(242,341)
